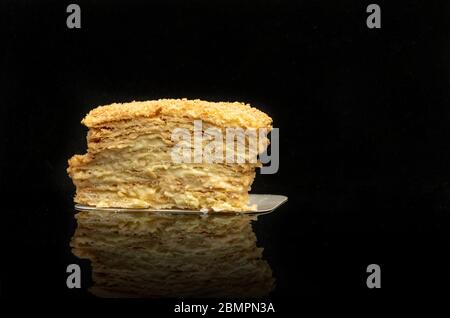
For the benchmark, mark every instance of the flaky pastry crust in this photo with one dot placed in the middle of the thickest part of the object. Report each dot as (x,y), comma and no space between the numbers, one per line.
(222,114)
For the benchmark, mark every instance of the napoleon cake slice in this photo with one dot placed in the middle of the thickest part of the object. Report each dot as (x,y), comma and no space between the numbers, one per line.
(170,153)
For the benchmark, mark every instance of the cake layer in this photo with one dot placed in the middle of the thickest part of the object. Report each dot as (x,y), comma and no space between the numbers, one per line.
(145,197)
(221,114)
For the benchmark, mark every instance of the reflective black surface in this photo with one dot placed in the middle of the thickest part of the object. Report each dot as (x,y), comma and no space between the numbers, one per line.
(142,254)
(363,117)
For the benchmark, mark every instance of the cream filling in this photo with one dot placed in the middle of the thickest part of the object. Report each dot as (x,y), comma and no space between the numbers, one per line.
(130,165)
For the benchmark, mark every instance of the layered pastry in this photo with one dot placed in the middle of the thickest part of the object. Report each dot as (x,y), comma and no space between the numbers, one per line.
(170,153)
(148,255)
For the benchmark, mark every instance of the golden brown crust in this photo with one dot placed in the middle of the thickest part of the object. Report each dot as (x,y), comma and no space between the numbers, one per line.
(222,114)
(129,159)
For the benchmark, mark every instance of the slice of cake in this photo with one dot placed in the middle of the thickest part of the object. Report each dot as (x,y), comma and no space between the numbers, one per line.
(170,153)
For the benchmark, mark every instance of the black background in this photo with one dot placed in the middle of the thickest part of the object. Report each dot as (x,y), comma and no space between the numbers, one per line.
(364,122)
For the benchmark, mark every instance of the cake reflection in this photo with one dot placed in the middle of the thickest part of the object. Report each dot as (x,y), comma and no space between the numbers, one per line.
(149,255)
